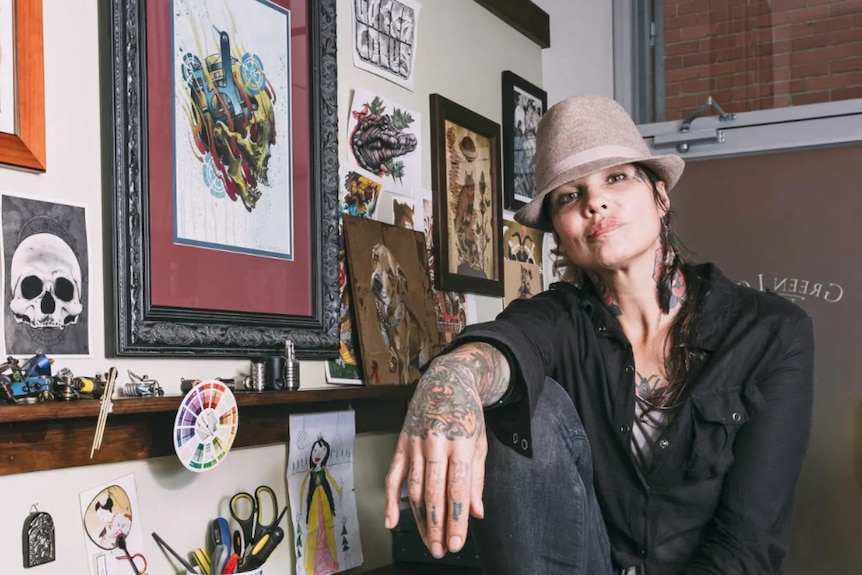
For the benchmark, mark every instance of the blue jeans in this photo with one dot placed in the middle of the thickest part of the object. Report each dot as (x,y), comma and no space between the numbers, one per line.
(541,514)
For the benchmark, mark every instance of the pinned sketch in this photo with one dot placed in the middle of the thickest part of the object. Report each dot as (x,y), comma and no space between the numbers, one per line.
(548,258)
(397,210)
(523,281)
(114,534)
(383,140)
(46,272)
(384,38)
(449,306)
(522,244)
(232,146)
(359,197)
(321,489)
(7,68)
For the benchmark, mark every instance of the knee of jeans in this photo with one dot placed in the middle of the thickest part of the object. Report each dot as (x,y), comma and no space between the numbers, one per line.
(556,423)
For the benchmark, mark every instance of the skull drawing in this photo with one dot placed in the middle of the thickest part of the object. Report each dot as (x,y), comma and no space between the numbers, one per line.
(46,283)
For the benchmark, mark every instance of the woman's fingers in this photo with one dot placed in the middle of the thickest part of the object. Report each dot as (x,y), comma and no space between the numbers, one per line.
(477,478)
(435,503)
(458,501)
(393,482)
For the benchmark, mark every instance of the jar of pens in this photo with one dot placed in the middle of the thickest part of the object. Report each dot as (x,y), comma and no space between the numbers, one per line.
(246,549)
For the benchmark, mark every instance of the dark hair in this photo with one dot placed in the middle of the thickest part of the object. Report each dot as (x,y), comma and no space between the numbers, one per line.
(677,364)
(321,442)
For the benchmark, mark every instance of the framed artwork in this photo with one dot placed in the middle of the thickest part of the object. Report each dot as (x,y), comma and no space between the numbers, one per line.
(222,178)
(523,106)
(465,160)
(22,85)
(394,304)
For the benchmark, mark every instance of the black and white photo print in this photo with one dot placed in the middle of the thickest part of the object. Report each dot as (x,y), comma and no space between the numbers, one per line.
(45,277)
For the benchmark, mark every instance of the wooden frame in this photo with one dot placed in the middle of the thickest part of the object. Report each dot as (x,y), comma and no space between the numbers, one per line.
(524,16)
(465,160)
(145,325)
(519,138)
(26,147)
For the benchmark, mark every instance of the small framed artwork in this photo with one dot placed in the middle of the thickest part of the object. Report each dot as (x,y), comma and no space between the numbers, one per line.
(523,106)
(465,160)
(22,85)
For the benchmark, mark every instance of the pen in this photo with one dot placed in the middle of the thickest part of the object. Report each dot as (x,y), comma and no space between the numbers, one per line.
(186,565)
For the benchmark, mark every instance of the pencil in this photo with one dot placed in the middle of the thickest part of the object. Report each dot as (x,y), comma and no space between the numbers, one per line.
(188,567)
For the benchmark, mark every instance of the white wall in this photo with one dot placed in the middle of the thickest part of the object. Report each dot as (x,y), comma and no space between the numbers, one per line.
(462,50)
(581,57)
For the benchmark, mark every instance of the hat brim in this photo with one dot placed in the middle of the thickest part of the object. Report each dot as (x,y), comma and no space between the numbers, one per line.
(668,168)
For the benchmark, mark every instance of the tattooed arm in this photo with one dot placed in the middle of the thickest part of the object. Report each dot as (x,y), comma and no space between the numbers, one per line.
(442,446)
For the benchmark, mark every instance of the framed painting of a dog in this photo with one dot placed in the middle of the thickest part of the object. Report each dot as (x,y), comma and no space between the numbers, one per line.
(466,180)
(393,303)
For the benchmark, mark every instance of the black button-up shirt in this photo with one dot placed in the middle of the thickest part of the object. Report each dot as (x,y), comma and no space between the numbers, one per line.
(718,496)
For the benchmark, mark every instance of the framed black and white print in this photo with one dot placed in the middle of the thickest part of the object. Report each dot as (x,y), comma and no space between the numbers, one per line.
(524,104)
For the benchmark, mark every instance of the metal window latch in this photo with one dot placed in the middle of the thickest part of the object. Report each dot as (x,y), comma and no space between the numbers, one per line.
(686,136)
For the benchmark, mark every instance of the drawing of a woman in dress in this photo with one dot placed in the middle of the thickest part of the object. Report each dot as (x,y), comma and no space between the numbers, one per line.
(321,554)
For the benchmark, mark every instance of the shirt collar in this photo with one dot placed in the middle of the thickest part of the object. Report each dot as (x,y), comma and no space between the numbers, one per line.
(716,314)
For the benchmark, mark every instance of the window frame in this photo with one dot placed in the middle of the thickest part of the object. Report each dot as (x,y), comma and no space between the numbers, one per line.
(793,127)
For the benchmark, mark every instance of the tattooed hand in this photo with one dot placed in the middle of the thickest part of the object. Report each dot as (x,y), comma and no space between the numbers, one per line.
(442,446)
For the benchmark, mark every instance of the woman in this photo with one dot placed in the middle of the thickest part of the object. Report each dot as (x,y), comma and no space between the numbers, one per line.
(648,416)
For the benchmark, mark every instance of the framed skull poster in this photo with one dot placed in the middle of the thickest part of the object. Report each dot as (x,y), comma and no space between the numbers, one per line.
(46,277)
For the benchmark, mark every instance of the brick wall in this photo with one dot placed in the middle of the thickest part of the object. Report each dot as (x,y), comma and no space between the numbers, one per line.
(760,54)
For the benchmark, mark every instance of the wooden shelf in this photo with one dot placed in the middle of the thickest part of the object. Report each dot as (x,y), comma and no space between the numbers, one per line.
(58,434)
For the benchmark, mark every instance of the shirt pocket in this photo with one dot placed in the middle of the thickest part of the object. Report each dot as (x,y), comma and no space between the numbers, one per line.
(716,419)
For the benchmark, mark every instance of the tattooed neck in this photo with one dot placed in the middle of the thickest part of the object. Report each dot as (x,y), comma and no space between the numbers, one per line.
(606,295)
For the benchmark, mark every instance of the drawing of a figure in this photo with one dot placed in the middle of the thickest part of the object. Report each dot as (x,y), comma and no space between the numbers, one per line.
(108,517)
(321,554)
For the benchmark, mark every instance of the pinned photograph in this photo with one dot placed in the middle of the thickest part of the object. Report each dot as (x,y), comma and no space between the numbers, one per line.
(322,495)
(523,281)
(450,306)
(359,197)
(114,534)
(45,260)
(397,210)
(384,140)
(522,244)
(384,38)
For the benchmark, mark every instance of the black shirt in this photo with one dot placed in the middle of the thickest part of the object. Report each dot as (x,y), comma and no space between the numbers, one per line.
(719,494)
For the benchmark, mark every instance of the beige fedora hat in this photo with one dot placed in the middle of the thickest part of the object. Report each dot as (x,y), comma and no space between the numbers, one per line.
(584,134)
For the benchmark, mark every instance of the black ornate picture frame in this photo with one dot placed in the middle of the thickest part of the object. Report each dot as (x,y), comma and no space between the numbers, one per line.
(142,327)
(465,163)
(524,104)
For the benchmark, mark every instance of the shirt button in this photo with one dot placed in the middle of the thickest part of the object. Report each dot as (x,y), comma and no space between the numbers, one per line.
(736,417)
(643,552)
(524,444)
(624,429)
(603,328)
(515,439)
(630,369)
(663,443)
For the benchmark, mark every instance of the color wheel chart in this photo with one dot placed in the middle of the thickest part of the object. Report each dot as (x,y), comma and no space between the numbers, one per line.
(205,426)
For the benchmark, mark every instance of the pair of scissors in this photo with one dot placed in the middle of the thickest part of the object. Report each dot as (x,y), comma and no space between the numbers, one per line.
(248,511)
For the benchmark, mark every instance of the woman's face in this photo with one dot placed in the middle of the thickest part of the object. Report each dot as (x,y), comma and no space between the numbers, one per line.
(608,220)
